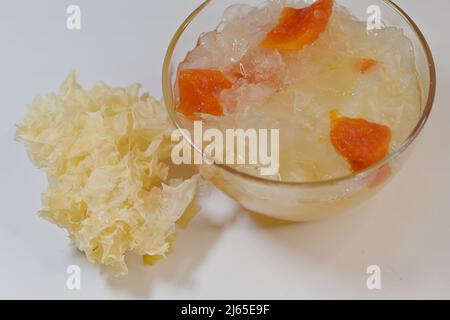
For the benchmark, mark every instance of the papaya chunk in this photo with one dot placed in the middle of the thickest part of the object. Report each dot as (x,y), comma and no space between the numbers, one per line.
(299,27)
(361,142)
(200,90)
(365,65)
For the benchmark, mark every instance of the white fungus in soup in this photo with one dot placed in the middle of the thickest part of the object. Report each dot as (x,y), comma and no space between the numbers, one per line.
(295,90)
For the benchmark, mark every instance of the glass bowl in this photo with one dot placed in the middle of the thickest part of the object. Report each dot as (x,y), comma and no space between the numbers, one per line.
(302,201)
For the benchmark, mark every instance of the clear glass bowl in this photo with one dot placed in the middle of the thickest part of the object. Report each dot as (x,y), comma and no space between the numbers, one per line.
(302,201)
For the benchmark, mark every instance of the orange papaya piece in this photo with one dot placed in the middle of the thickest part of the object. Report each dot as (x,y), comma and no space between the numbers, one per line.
(361,142)
(365,65)
(299,27)
(200,90)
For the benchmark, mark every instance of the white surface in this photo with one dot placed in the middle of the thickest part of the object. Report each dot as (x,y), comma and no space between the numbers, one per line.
(225,253)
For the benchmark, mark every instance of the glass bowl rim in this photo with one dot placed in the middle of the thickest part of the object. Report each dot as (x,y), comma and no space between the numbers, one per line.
(167,96)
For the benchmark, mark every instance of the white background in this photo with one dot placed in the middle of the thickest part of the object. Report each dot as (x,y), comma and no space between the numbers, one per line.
(226,252)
